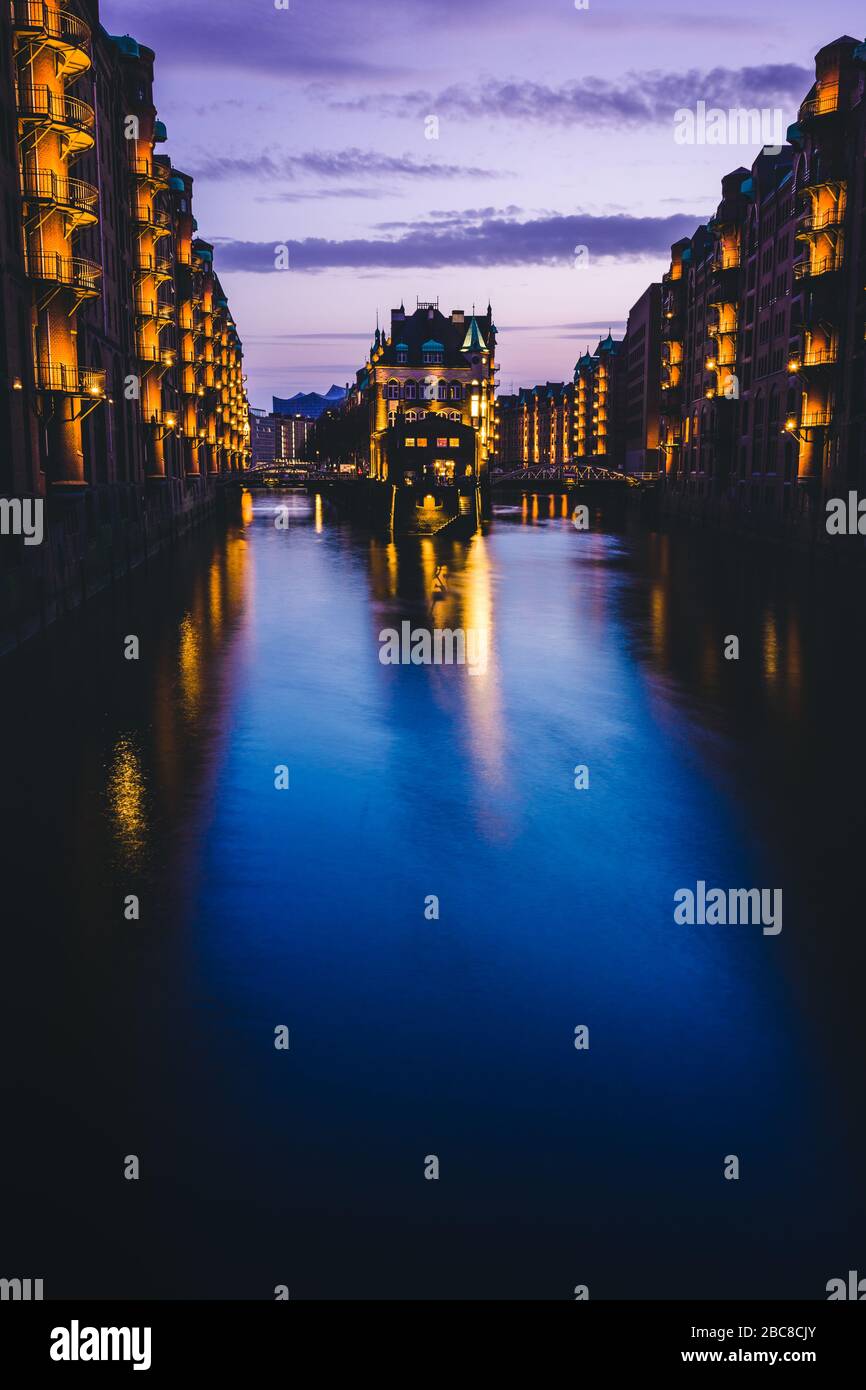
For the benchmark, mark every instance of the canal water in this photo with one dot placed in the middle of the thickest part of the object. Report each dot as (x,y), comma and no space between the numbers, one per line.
(414,1035)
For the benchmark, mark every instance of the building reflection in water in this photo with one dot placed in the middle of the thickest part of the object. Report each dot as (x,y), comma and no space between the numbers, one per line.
(441,584)
(126,799)
(180,690)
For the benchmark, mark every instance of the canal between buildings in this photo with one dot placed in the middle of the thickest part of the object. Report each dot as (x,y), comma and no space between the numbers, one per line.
(414,1035)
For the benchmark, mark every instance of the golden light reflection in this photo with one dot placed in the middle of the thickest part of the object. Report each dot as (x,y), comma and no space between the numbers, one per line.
(189,659)
(246,506)
(126,798)
(319,514)
(215,597)
(658,618)
(484,705)
(771,647)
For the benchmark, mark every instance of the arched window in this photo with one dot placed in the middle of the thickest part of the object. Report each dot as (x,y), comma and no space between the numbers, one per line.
(411,415)
(442,391)
(410,391)
(456,391)
(392,391)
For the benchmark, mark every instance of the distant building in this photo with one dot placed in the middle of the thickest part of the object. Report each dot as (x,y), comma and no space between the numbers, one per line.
(598,430)
(642,383)
(279,439)
(311,404)
(506,439)
(292,433)
(262,438)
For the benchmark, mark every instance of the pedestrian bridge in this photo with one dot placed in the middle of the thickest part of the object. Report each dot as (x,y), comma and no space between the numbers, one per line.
(573,476)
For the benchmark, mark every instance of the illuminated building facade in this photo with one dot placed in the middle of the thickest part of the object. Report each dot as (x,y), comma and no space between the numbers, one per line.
(426,395)
(121,364)
(598,412)
(763,317)
(506,444)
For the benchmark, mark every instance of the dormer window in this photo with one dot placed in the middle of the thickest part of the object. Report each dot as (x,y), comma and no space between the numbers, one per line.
(402,357)
(433,359)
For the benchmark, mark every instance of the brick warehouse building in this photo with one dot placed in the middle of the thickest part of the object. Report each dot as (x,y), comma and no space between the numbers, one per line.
(756,336)
(121,377)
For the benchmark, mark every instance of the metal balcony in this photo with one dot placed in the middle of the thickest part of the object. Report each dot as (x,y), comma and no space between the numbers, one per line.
(156,219)
(813,224)
(153,309)
(817,419)
(824,104)
(809,269)
(55,28)
(73,272)
(821,357)
(154,267)
(144,171)
(70,381)
(72,118)
(77,199)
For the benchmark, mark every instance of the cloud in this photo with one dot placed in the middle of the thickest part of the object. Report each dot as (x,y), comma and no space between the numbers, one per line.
(490,241)
(335,164)
(638,98)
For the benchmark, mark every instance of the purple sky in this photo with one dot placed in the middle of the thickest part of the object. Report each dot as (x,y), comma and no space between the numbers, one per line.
(306,127)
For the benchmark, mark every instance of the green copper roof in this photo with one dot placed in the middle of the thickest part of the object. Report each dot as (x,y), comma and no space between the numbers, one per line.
(126,45)
(160,134)
(177,184)
(473,338)
(432,346)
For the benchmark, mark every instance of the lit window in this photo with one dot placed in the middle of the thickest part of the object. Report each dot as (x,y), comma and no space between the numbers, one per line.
(410,443)
(454,443)
(421,443)
(441,443)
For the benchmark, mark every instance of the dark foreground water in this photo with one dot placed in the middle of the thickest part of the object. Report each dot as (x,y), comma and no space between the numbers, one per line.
(453,1037)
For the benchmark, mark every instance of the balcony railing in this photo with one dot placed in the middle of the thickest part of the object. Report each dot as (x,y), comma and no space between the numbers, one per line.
(819,222)
(809,269)
(148,216)
(157,266)
(153,309)
(816,419)
(824,104)
(71,381)
(821,357)
(57,27)
(69,114)
(70,195)
(722,263)
(72,271)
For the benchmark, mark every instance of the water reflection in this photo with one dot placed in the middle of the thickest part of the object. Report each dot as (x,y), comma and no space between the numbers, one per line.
(604,648)
(126,798)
